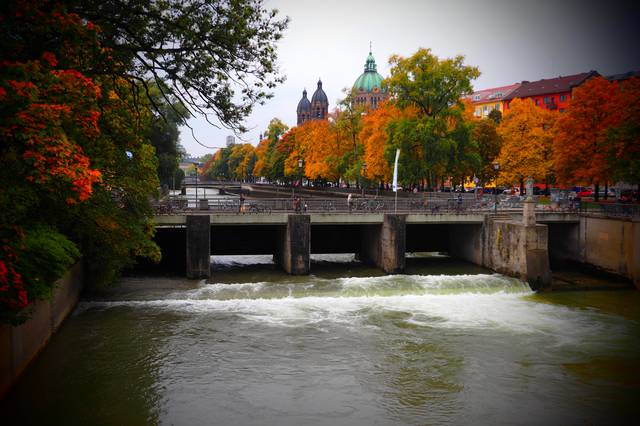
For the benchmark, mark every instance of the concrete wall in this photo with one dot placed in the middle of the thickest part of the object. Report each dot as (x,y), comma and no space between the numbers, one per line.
(467,242)
(20,345)
(611,244)
(294,245)
(384,245)
(198,246)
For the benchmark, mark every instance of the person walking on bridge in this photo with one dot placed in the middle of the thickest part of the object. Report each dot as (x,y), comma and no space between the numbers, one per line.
(349,202)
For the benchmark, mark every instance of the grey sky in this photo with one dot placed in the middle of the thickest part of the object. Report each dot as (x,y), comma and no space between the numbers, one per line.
(509,41)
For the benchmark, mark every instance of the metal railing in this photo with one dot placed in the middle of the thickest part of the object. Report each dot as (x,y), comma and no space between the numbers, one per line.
(367,205)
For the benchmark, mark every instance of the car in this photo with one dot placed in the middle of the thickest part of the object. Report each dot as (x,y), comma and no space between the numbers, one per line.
(585,192)
(628,195)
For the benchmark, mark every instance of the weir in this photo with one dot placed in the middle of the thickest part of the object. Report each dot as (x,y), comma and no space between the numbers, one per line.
(503,243)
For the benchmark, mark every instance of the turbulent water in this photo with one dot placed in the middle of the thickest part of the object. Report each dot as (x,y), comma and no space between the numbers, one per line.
(446,343)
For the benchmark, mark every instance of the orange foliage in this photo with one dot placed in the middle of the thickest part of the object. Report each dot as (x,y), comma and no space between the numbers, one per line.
(319,145)
(374,138)
(527,134)
(260,168)
(580,147)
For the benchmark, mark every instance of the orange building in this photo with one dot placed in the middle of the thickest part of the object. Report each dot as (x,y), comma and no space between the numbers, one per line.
(487,100)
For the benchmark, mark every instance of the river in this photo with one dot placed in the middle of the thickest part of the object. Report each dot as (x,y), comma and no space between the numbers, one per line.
(445,343)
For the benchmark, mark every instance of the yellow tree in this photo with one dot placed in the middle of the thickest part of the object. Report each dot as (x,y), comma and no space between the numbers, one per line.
(374,137)
(527,137)
(317,143)
(241,161)
(259,168)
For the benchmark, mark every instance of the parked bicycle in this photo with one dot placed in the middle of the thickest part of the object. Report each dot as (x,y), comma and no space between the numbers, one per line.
(255,208)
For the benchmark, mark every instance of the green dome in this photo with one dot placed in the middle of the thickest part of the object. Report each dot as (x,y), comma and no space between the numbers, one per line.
(370,78)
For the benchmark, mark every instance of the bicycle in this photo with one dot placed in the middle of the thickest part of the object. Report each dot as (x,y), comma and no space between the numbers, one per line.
(257,208)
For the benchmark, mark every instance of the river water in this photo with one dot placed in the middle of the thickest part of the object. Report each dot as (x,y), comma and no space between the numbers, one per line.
(445,343)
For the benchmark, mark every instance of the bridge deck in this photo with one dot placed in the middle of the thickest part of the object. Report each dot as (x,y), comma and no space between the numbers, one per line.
(177,220)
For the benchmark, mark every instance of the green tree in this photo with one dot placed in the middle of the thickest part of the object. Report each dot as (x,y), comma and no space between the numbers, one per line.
(489,143)
(217,57)
(436,141)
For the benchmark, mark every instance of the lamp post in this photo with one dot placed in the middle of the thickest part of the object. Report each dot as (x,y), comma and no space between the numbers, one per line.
(195,164)
(300,173)
(496,167)
(364,174)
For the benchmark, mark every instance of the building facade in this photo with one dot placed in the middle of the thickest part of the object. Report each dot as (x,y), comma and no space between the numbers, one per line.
(552,94)
(485,101)
(367,89)
(316,109)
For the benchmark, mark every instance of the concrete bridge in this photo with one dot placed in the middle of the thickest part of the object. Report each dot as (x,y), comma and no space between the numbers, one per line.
(504,242)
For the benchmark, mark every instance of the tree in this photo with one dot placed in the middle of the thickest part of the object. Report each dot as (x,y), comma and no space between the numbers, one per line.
(348,123)
(217,57)
(319,149)
(489,143)
(581,146)
(435,88)
(374,137)
(72,145)
(527,136)
(164,135)
(623,134)
(496,116)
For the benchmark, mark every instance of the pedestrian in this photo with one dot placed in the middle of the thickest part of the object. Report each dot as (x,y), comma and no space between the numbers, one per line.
(459,202)
(241,207)
(296,204)
(349,202)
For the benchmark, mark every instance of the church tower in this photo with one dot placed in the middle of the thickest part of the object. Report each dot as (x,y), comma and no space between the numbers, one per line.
(319,104)
(304,108)
(368,87)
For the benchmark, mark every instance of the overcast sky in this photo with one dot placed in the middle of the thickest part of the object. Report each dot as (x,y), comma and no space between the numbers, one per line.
(509,41)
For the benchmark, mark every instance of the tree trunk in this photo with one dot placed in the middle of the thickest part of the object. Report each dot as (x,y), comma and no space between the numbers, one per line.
(597,189)
(606,190)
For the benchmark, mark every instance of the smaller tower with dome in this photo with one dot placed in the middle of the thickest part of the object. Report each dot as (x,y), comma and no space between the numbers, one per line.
(368,88)
(304,108)
(319,103)
(317,109)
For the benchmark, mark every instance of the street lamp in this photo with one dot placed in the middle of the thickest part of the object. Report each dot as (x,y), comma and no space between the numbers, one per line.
(300,171)
(496,167)
(195,164)
(364,174)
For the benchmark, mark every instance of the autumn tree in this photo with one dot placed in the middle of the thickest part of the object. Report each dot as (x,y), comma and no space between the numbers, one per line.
(374,136)
(581,146)
(623,133)
(319,149)
(73,146)
(527,137)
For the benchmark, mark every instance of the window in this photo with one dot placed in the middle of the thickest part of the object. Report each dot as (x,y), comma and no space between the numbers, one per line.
(478,112)
(562,98)
(476,97)
(546,99)
(497,107)
(485,109)
(536,101)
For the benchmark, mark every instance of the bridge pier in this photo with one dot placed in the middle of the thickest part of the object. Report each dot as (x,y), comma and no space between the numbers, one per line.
(384,245)
(293,248)
(198,246)
(506,246)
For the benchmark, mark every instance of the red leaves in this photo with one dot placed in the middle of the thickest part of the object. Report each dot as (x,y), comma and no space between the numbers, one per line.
(54,108)
(12,292)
